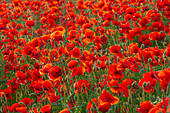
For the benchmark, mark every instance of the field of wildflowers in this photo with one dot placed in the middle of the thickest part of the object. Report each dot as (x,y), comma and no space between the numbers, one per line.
(84,56)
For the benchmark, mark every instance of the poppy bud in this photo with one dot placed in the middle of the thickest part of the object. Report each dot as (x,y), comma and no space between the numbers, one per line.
(156,58)
(149,60)
(164,55)
(96,68)
(128,86)
(98,54)
(142,46)
(61,43)
(99,90)
(107,62)
(164,44)
(144,84)
(98,62)
(104,107)
(147,84)
(134,84)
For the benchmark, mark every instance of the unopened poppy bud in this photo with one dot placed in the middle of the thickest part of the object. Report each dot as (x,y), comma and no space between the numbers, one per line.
(156,58)
(99,89)
(99,54)
(142,46)
(118,59)
(149,60)
(134,84)
(121,49)
(61,43)
(147,84)
(104,52)
(164,54)
(165,39)
(128,86)
(96,68)
(144,84)
(98,62)
(107,62)
(164,43)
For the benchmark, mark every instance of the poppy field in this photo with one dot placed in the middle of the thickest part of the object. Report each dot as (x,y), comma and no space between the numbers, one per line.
(84,56)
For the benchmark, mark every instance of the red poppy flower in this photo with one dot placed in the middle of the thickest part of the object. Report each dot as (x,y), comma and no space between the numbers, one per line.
(130,10)
(164,78)
(145,107)
(105,23)
(133,48)
(102,64)
(143,23)
(47,86)
(146,54)
(6,93)
(157,110)
(164,104)
(157,36)
(147,82)
(6,109)
(72,35)
(43,20)
(45,38)
(54,98)
(157,26)
(22,109)
(92,104)
(104,106)
(76,53)
(81,85)
(27,50)
(57,36)
(13,84)
(130,35)
(14,107)
(35,75)
(33,110)
(70,46)
(113,70)
(78,71)
(107,97)
(72,64)
(46,68)
(89,33)
(36,86)
(80,20)
(21,42)
(55,72)
(27,101)
(168,50)
(66,110)
(114,49)
(46,109)
(24,32)
(34,42)
(30,23)
(86,26)
(54,54)
(115,87)
(21,76)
